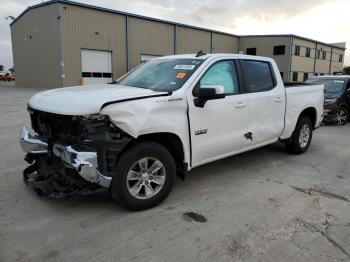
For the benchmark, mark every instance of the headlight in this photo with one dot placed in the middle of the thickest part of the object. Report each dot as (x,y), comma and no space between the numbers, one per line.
(330,101)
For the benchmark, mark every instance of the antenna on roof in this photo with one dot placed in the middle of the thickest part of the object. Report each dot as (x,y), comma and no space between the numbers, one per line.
(200,53)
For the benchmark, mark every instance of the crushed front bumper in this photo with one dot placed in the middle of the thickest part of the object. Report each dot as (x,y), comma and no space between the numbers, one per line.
(84,163)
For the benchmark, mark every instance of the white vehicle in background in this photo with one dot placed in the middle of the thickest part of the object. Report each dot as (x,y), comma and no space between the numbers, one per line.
(164,118)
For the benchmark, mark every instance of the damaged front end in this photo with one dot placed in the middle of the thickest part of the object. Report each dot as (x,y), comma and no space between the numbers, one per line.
(70,154)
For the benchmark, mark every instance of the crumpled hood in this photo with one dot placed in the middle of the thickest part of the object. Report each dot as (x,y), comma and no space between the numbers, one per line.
(85,100)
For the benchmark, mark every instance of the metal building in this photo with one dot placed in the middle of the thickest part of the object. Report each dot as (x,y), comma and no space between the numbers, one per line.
(63,43)
(298,58)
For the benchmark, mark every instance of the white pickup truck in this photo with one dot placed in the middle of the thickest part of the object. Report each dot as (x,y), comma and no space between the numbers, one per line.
(164,118)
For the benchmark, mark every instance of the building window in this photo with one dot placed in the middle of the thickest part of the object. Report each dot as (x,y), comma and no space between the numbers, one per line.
(295,76)
(279,50)
(324,55)
(97,74)
(306,76)
(307,52)
(317,54)
(340,58)
(251,51)
(297,50)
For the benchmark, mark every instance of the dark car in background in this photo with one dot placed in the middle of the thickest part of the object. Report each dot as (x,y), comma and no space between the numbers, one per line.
(337,97)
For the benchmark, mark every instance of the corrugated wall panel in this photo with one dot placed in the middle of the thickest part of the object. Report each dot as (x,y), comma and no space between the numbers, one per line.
(85,28)
(149,38)
(224,43)
(36,48)
(190,41)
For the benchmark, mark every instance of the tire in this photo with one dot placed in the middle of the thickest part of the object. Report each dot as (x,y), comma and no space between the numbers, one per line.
(342,116)
(297,144)
(131,184)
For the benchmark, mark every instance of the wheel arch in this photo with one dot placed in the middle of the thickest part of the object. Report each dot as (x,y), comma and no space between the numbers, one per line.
(311,113)
(343,104)
(170,141)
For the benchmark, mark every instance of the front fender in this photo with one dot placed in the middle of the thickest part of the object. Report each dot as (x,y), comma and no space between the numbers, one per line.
(152,115)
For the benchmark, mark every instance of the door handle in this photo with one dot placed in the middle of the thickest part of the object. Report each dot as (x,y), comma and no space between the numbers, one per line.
(240,105)
(279,99)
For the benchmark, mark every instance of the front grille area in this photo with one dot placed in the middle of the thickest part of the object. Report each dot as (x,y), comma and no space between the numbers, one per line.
(57,127)
(83,134)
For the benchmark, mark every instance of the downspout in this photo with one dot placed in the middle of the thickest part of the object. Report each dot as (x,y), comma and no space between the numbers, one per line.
(290,59)
(330,62)
(61,43)
(315,59)
(175,40)
(127,46)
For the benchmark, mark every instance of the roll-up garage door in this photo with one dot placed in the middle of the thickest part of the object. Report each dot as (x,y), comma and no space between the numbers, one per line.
(96,66)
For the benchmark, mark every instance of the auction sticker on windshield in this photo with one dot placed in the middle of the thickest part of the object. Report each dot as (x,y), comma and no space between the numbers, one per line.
(184,67)
(180,75)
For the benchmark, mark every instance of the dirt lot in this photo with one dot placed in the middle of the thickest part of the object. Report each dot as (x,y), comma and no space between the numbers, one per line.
(265,205)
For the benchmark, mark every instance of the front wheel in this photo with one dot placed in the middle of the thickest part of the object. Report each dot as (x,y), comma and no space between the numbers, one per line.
(342,116)
(144,176)
(301,138)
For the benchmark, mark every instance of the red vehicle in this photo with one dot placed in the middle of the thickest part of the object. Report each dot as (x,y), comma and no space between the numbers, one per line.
(7,77)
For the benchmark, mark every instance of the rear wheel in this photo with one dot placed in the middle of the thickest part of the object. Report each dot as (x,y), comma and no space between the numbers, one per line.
(342,116)
(301,138)
(144,176)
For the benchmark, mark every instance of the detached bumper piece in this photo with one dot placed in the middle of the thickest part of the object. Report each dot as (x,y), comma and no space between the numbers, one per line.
(60,171)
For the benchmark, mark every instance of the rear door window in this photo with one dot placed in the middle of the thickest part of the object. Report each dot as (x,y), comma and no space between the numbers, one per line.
(258,76)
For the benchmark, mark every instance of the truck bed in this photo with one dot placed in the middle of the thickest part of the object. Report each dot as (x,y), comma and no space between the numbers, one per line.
(299,97)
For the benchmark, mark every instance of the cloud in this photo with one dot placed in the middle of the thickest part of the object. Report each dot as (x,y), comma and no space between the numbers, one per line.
(324,20)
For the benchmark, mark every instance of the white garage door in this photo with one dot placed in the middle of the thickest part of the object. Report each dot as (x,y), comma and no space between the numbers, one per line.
(96,66)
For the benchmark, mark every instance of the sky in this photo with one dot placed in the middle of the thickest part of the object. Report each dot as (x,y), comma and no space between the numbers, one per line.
(322,20)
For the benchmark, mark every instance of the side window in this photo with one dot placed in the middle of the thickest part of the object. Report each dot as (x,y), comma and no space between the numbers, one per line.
(224,74)
(258,76)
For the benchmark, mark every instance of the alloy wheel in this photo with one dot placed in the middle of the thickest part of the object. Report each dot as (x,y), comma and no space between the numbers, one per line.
(146,178)
(304,136)
(341,117)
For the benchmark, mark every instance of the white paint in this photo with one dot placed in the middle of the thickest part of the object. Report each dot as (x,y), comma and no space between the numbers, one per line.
(84,100)
(227,120)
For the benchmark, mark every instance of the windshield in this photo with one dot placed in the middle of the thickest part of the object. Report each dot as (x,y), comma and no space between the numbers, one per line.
(162,74)
(330,85)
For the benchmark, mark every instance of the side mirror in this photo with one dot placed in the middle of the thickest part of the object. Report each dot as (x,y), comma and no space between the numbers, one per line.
(208,92)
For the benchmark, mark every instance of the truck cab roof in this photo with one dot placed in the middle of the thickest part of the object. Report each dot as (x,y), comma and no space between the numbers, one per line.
(217,55)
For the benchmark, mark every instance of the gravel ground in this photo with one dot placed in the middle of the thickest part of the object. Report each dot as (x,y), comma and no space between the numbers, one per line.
(264,205)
